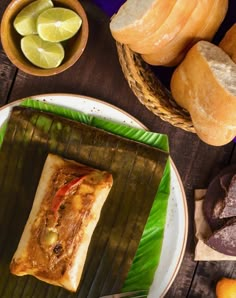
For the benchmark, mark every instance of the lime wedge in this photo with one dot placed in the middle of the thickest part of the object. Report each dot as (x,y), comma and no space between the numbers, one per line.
(25,21)
(58,24)
(42,53)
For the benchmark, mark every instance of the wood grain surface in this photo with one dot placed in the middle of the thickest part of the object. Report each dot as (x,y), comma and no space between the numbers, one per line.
(98,74)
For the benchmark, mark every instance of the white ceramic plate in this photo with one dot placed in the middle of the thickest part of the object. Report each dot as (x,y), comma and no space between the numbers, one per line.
(177,217)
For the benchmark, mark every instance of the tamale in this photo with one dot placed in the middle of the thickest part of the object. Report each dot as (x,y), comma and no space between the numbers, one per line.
(136,168)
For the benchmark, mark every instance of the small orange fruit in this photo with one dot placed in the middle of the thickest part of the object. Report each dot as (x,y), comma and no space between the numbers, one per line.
(226,288)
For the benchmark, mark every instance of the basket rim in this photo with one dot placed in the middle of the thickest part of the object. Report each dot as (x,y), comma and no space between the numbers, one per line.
(150,91)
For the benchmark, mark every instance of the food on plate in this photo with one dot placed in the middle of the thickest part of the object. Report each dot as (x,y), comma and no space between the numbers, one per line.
(220,212)
(64,214)
(44,27)
(226,288)
(163,31)
(228,43)
(25,22)
(139,169)
(204,85)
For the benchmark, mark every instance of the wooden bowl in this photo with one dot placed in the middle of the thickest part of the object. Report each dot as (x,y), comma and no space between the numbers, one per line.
(10,39)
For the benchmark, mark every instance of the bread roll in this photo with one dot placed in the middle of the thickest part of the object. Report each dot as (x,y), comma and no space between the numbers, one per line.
(166,55)
(65,211)
(213,21)
(167,31)
(135,19)
(228,43)
(205,85)
(202,25)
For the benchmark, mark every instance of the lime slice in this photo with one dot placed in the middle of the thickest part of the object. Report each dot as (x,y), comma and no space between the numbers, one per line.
(42,53)
(25,21)
(58,24)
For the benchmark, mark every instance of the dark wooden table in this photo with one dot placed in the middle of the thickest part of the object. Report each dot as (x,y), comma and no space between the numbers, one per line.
(98,74)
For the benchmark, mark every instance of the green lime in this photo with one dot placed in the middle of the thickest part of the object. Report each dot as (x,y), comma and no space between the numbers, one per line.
(42,53)
(58,24)
(25,21)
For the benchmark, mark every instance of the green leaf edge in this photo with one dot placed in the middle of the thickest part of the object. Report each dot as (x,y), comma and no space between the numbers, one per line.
(147,257)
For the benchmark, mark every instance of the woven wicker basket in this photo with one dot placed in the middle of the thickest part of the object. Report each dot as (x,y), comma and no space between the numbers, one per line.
(150,91)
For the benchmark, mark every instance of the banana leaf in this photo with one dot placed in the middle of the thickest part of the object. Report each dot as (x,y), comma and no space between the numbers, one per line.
(137,168)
